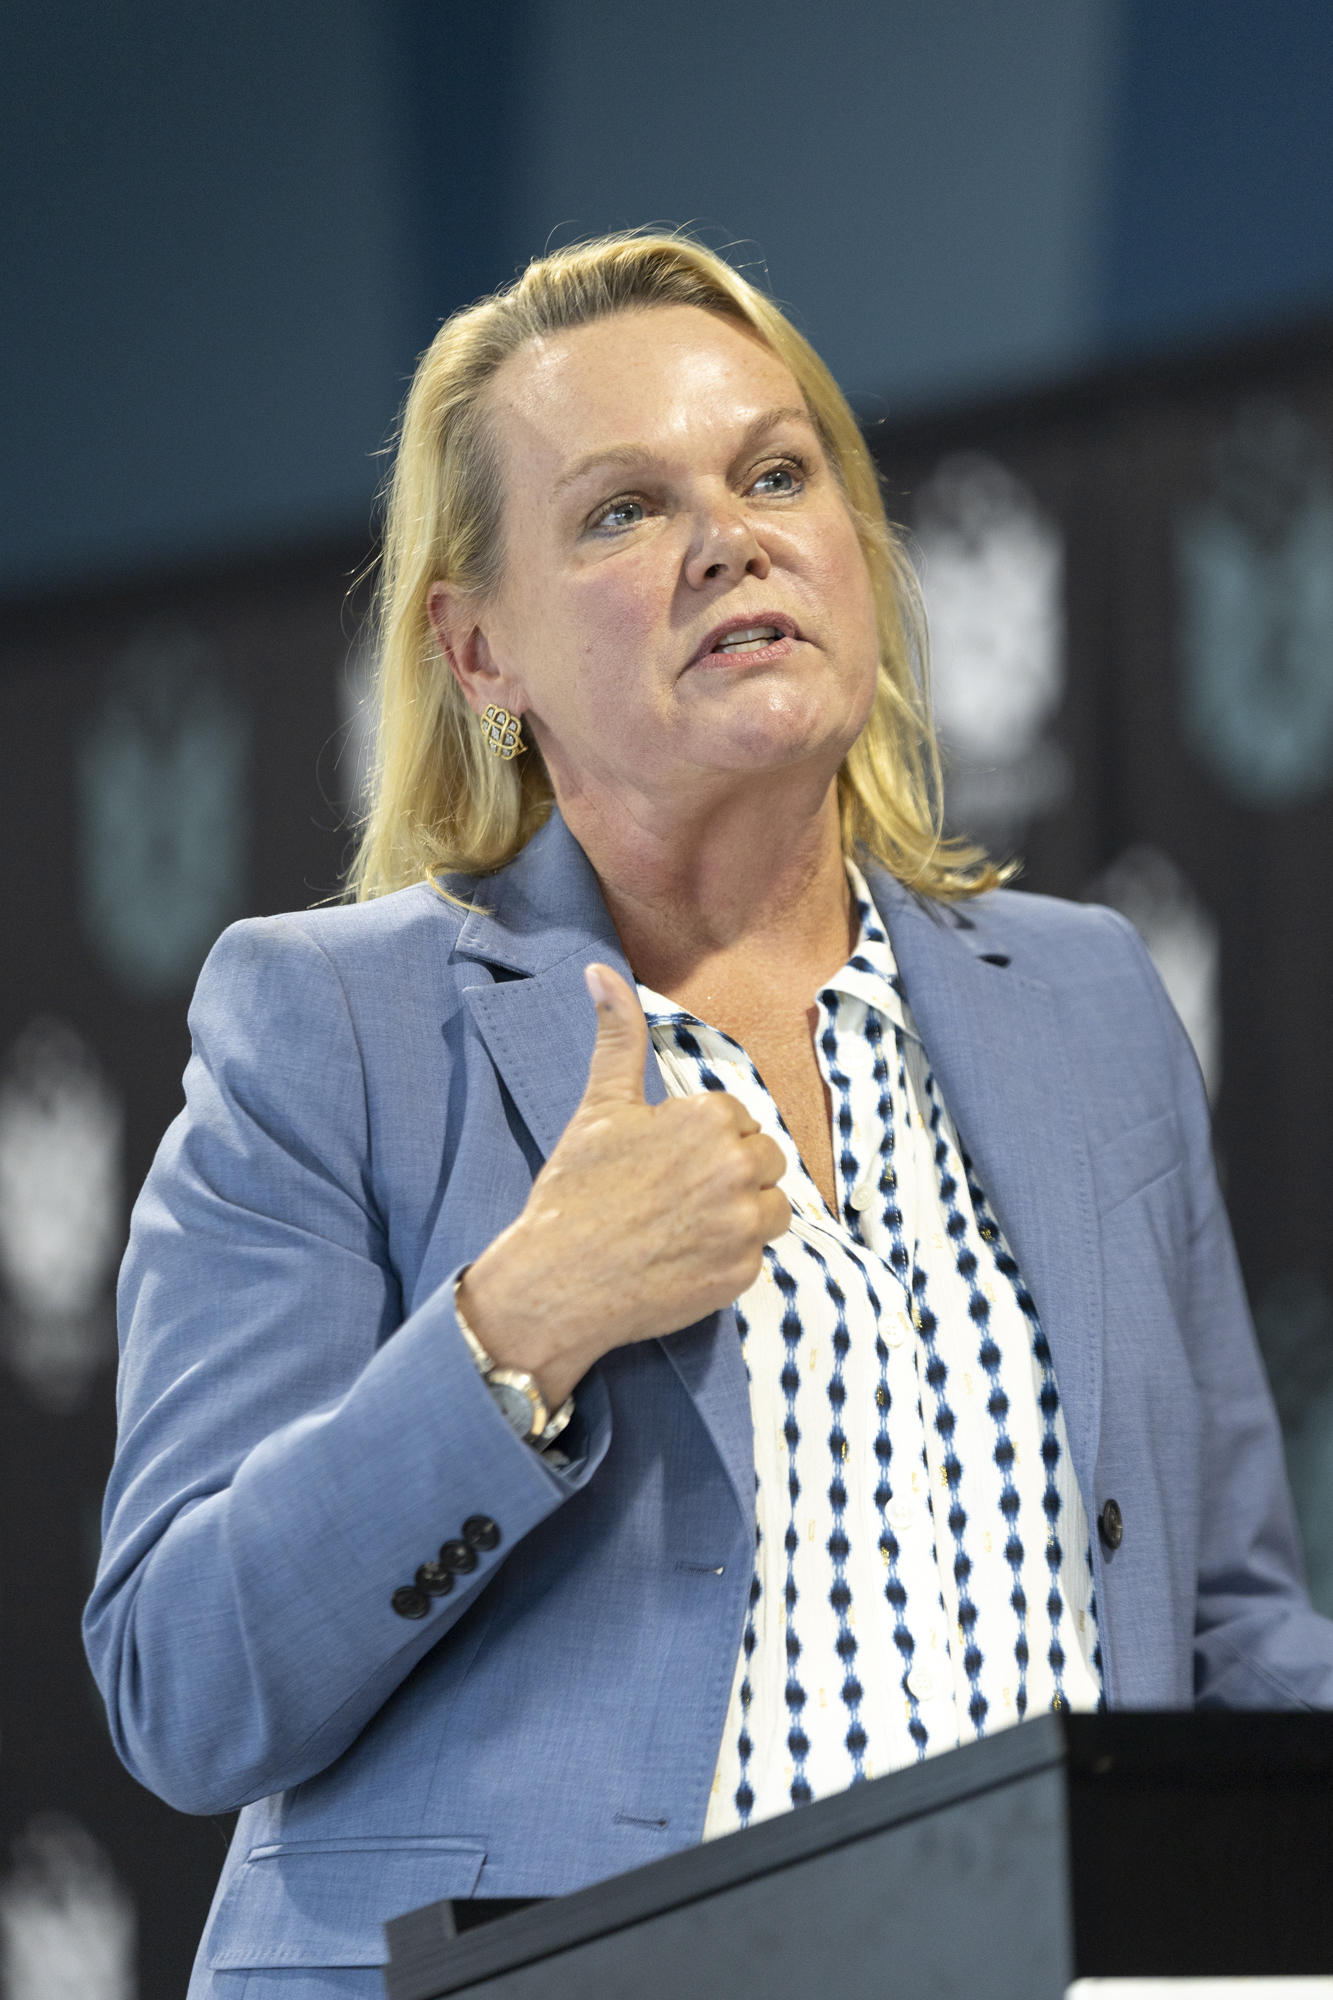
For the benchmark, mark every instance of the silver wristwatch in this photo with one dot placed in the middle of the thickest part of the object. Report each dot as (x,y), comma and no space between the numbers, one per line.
(517,1397)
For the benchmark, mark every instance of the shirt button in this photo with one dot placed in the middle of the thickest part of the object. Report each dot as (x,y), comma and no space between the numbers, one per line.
(902,1513)
(895,1333)
(921,1683)
(863,1197)
(409,1602)
(480,1532)
(1112,1524)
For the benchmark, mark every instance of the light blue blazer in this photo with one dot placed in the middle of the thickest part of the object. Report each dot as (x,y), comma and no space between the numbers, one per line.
(371,1092)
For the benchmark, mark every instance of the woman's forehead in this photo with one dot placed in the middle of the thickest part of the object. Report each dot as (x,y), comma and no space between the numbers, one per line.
(654,380)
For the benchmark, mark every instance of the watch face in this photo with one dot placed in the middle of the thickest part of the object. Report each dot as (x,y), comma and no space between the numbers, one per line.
(514,1406)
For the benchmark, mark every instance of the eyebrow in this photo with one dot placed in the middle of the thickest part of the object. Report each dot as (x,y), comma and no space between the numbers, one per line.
(635,454)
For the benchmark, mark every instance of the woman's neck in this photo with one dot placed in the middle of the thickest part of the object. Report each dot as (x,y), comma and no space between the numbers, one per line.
(750,896)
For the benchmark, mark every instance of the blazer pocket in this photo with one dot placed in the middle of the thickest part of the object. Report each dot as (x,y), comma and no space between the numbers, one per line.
(325,1902)
(1145,1154)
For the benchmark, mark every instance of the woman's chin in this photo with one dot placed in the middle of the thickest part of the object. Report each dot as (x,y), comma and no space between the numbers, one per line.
(778,735)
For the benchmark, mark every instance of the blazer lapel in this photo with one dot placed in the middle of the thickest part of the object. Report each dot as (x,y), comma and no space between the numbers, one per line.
(540,1033)
(997,1047)
(544,918)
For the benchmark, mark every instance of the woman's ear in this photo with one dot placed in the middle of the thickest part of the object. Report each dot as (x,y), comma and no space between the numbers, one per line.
(465,645)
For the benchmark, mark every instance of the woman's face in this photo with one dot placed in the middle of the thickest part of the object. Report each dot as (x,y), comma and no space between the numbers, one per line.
(684,600)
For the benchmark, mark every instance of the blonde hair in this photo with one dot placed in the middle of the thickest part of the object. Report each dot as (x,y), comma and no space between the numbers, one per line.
(440,802)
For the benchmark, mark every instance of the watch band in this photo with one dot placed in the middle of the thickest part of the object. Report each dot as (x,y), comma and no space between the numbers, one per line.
(546,1425)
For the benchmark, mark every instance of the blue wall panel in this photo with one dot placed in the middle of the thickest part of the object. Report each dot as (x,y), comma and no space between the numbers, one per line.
(1224,169)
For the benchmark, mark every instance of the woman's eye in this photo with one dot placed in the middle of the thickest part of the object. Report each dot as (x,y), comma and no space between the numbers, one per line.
(620,514)
(778,480)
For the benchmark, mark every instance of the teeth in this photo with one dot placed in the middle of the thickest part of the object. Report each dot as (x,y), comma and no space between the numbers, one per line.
(749,640)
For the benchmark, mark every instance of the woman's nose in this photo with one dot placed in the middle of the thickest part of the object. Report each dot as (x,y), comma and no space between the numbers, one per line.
(725,546)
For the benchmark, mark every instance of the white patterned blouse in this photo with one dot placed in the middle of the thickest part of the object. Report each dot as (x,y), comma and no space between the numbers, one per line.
(922,1570)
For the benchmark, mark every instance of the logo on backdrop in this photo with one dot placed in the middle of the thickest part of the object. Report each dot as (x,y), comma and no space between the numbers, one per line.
(162,774)
(61,1213)
(67,1923)
(1255,574)
(993,580)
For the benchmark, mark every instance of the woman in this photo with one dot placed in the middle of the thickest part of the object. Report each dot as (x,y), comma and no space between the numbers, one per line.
(552,1436)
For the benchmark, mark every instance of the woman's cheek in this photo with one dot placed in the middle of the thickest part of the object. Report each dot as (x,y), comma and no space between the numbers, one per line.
(850,589)
(629,615)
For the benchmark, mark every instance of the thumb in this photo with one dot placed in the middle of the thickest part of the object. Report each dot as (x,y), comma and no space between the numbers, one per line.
(615,1074)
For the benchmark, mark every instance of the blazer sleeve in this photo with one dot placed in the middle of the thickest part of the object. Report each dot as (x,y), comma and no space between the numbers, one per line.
(1258,1642)
(290,1448)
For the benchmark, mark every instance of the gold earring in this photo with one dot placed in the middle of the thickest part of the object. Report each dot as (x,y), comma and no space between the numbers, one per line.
(503,732)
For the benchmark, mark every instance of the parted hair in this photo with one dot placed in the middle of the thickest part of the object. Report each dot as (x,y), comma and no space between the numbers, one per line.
(440,803)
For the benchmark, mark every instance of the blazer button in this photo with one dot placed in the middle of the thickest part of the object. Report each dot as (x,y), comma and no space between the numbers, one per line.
(435,1579)
(409,1602)
(480,1532)
(1112,1524)
(458,1556)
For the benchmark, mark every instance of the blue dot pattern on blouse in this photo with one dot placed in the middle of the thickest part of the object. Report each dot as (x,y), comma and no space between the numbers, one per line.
(923,1573)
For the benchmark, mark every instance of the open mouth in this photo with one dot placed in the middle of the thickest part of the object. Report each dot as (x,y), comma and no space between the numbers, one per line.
(768,639)
(750,639)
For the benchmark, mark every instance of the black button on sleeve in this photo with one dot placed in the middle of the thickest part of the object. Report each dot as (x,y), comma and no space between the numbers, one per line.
(435,1579)
(409,1602)
(1112,1524)
(458,1556)
(480,1532)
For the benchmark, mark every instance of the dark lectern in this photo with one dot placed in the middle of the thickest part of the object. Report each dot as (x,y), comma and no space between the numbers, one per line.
(1079,1845)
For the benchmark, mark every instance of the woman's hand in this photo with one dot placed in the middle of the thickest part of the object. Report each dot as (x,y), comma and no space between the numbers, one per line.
(644,1219)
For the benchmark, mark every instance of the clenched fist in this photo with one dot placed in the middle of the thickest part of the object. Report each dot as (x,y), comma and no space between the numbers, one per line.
(645,1218)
